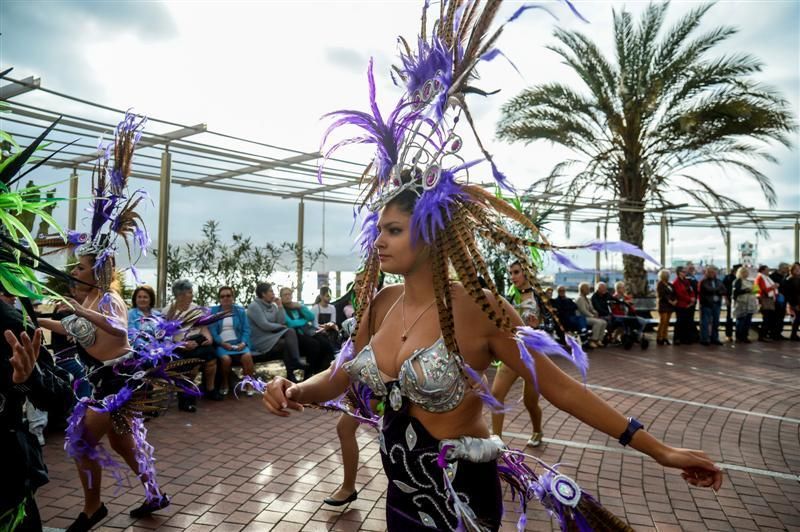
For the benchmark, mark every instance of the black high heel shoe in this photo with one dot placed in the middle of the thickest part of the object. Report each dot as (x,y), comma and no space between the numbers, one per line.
(333,502)
(84,523)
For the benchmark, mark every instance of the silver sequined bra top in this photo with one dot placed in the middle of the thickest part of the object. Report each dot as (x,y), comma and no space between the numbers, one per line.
(430,378)
(83,330)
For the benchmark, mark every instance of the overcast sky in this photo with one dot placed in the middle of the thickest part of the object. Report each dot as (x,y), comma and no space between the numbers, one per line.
(269,70)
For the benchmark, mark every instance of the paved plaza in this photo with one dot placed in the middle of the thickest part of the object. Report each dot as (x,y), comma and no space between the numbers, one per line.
(233,467)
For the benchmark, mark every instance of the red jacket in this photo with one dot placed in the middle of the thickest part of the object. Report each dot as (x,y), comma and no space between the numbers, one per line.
(684,292)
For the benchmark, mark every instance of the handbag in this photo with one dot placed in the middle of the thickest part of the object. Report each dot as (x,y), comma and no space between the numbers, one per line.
(766,303)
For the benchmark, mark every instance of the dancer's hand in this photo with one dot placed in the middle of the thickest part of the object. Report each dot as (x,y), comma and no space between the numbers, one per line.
(26,352)
(698,469)
(79,309)
(278,396)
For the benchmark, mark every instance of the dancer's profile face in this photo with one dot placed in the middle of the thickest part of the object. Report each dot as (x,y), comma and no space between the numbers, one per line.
(517,276)
(83,270)
(395,252)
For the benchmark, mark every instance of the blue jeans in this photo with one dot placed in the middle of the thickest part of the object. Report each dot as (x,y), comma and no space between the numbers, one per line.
(743,326)
(709,321)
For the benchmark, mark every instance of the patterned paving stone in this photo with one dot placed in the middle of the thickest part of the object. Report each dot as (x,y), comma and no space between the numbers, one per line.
(233,467)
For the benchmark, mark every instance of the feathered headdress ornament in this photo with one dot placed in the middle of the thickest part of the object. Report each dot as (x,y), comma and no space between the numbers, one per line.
(113,211)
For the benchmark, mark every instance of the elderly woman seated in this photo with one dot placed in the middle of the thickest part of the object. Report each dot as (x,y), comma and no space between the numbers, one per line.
(232,337)
(197,342)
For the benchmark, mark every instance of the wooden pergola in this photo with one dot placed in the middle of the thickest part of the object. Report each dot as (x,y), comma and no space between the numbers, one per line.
(194,156)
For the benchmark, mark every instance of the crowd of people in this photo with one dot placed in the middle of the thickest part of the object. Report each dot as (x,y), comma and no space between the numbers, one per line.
(775,293)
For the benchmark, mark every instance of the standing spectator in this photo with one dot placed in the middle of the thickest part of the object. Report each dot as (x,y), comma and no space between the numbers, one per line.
(268,330)
(314,343)
(691,276)
(597,324)
(686,296)
(666,306)
(197,343)
(728,282)
(232,338)
(793,299)
(779,277)
(767,294)
(745,304)
(711,293)
(143,301)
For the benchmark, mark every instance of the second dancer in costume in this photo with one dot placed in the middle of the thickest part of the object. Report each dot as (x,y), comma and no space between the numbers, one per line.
(424,345)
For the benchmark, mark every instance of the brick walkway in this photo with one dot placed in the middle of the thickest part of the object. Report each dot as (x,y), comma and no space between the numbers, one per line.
(233,467)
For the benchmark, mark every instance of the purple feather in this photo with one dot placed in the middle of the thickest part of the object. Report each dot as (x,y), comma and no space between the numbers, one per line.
(620,247)
(539,341)
(145,459)
(346,353)
(566,262)
(369,233)
(483,391)
(501,178)
(387,136)
(433,209)
(256,383)
(431,58)
(76,238)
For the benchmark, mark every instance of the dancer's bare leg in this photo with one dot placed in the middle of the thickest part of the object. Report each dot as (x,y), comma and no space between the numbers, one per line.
(503,381)
(95,424)
(346,430)
(530,397)
(124,446)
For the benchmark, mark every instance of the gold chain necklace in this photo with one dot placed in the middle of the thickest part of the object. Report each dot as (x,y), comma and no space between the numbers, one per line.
(404,337)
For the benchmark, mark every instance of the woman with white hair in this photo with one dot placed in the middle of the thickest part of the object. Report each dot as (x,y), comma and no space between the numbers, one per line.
(586,309)
(666,306)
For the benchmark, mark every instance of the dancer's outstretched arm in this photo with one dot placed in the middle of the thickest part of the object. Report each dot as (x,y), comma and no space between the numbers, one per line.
(571,396)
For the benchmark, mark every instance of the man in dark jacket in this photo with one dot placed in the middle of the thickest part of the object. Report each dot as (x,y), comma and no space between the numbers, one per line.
(779,277)
(712,290)
(27,372)
(728,283)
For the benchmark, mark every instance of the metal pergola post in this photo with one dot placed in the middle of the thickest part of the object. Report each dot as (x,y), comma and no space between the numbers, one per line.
(728,249)
(597,260)
(300,227)
(663,239)
(163,225)
(797,240)
(72,216)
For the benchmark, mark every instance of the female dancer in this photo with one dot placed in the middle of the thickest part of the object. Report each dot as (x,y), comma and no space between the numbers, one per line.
(524,302)
(424,345)
(99,326)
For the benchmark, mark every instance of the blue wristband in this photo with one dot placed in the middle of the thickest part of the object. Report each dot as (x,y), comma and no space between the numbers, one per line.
(627,436)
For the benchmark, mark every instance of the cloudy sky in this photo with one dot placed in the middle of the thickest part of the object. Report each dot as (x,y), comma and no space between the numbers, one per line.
(268,70)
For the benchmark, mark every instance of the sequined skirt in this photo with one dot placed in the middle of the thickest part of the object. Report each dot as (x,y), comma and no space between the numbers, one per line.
(417,497)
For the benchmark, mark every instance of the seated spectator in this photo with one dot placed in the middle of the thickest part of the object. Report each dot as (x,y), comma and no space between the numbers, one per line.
(624,313)
(232,338)
(314,343)
(269,332)
(325,316)
(601,301)
(571,319)
(143,301)
(591,315)
(197,343)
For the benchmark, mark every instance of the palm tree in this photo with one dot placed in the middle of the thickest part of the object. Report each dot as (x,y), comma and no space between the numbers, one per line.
(652,120)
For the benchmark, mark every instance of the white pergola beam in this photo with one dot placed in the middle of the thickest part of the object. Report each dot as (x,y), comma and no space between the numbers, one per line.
(15,88)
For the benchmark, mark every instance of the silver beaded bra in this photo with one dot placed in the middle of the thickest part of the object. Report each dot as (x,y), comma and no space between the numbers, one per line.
(83,330)
(430,377)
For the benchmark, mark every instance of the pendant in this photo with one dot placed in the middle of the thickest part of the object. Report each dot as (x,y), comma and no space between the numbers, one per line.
(403,338)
